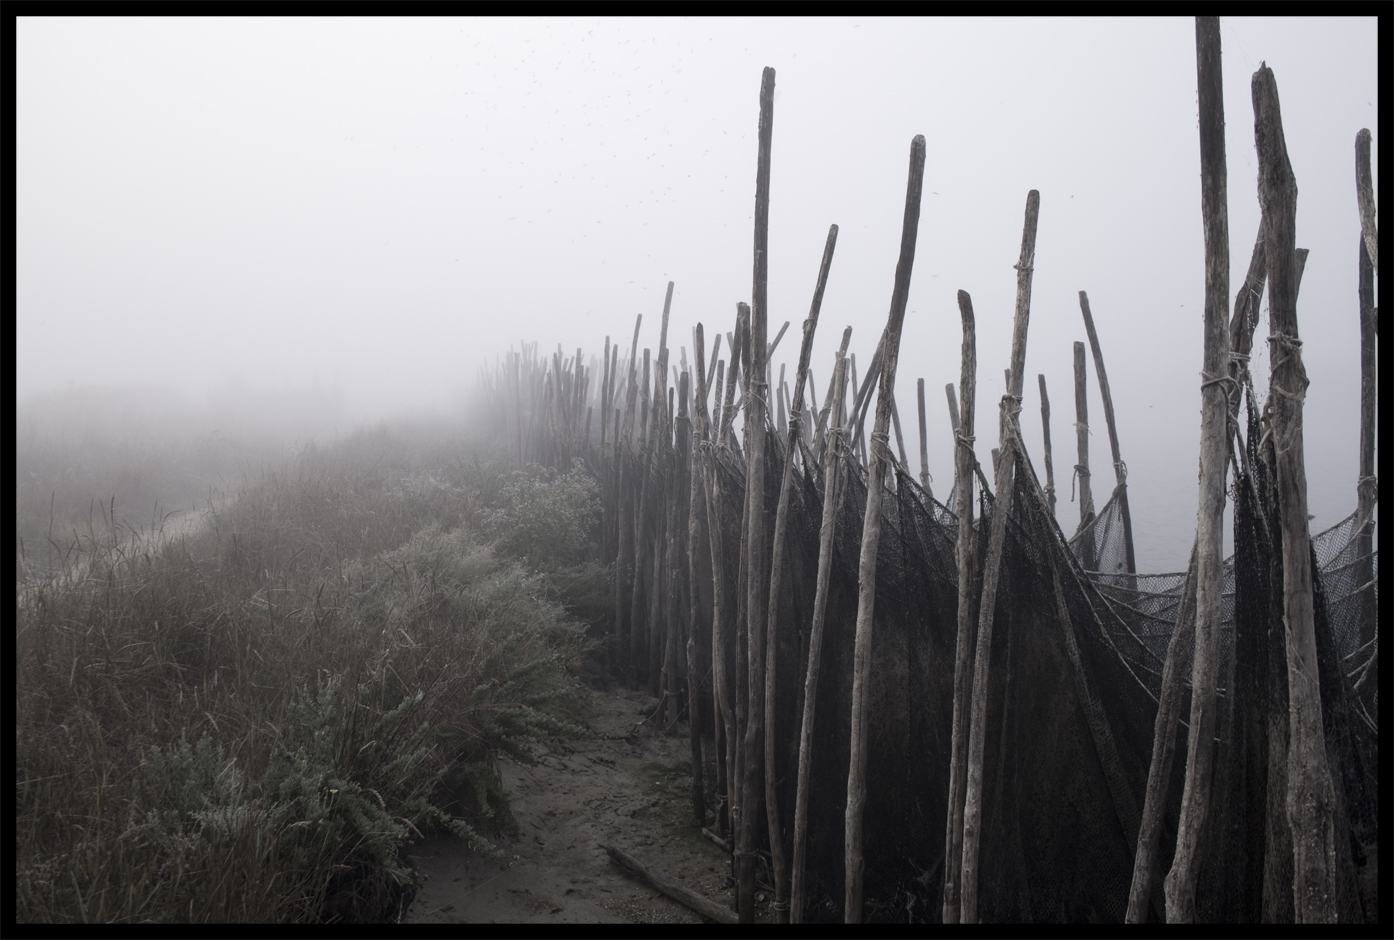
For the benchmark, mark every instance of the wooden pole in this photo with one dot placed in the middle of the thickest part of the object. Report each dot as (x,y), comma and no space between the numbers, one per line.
(1310,798)
(1366,489)
(1011,405)
(624,562)
(1365,196)
(697,515)
(1120,469)
(781,525)
(1086,498)
(753,744)
(871,536)
(953,421)
(708,909)
(1045,433)
(723,705)
(832,476)
(963,654)
(1200,751)
(1178,664)
(924,443)
(899,437)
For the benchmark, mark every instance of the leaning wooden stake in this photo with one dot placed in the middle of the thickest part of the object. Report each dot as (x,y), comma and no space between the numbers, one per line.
(708,909)
(1009,432)
(1309,796)
(1086,497)
(1178,664)
(1120,469)
(1200,751)
(753,745)
(781,525)
(1045,433)
(924,444)
(871,537)
(831,478)
(963,654)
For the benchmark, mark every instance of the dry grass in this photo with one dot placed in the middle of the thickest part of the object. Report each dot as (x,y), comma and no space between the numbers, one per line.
(246,722)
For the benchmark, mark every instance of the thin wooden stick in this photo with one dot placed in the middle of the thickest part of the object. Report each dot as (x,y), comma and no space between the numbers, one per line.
(963,656)
(1178,664)
(1310,798)
(1086,497)
(769,355)
(1045,433)
(831,495)
(752,746)
(1120,469)
(924,444)
(708,909)
(781,525)
(696,516)
(1011,405)
(871,537)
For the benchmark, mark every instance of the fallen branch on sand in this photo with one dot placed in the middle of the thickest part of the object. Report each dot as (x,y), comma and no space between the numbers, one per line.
(692,899)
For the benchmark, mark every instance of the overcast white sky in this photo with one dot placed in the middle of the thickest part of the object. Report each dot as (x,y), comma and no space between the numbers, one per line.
(388,204)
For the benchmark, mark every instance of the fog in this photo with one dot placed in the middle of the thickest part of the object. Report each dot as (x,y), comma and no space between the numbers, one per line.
(364,213)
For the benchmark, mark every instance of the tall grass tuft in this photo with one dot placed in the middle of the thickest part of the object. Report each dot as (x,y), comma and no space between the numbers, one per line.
(249,721)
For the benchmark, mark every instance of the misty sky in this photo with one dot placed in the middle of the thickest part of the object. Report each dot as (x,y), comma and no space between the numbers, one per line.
(387,205)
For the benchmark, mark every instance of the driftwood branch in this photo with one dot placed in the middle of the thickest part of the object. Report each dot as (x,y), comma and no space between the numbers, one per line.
(708,909)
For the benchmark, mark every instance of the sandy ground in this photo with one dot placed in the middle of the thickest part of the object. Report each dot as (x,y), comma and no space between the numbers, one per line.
(627,786)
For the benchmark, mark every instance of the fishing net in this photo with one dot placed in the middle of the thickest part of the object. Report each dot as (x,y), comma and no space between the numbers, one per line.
(1076,666)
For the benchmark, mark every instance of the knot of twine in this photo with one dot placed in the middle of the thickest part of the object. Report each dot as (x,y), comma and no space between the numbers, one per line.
(1224,381)
(1080,471)
(964,440)
(1368,484)
(780,905)
(1026,268)
(1291,348)
(1011,404)
(1121,468)
(1082,426)
(1241,358)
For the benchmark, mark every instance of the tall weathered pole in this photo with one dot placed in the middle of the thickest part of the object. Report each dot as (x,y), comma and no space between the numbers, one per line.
(1310,799)
(1214,391)
(753,745)
(832,475)
(963,655)
(992,569)
(871,536)
(1366,490)
(781,525)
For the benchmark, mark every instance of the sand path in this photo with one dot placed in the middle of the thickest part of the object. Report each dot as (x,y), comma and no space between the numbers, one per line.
(627,786)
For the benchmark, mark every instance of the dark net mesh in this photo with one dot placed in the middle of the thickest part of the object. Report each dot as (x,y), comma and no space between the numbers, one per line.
(1078,650)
